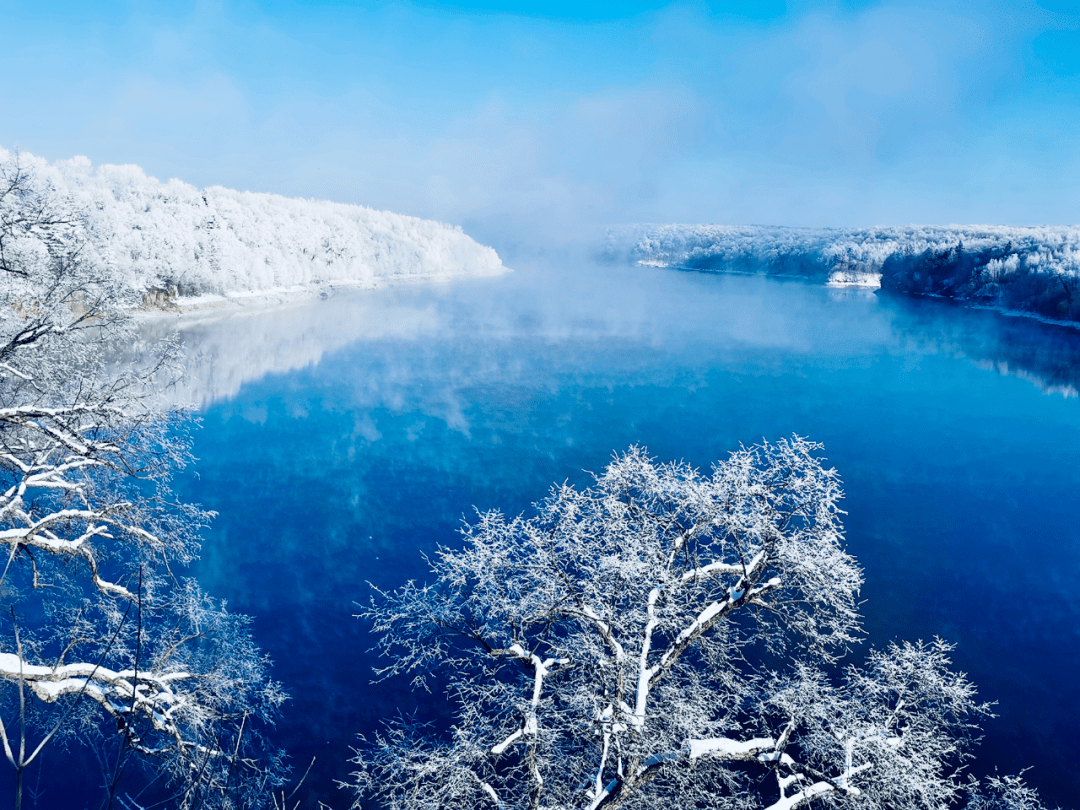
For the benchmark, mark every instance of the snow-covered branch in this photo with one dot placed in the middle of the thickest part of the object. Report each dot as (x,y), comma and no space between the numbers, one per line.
(103,643)
(668,631)
(119,693)
(745,750)
(530,725)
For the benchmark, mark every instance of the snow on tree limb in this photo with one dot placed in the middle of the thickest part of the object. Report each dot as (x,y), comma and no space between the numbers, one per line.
(151,695)
(101,641)
(660,639)
(730,749)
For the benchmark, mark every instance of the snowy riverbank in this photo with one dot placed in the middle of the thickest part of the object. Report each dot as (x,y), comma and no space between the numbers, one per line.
(175,244)
(1028,270)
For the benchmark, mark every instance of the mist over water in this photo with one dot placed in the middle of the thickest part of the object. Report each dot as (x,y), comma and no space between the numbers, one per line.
(344,439)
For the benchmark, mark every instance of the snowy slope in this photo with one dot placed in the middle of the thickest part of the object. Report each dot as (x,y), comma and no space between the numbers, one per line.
(1033,270)
(215,240)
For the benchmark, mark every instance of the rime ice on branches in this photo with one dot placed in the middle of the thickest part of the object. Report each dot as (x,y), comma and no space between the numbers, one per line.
(665,638)
(101,642)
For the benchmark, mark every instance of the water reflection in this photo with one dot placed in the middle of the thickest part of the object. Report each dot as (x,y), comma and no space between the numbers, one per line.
(225,351)
(647,306)
(1047,355)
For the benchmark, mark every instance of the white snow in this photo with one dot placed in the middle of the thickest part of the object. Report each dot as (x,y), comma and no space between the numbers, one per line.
(644,672)
(729,749)
(217,244)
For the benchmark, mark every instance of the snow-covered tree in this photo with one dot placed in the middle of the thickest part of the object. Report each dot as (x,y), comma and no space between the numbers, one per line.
(101,641)
(666,638)
(196,241)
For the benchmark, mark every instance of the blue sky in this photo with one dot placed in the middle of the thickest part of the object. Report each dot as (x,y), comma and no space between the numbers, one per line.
(544,118)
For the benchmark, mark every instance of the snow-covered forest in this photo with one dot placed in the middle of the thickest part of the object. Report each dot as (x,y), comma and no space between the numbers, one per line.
(1034,270)
(185,241)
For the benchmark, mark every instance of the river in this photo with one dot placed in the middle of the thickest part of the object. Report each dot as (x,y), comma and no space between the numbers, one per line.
(343,439)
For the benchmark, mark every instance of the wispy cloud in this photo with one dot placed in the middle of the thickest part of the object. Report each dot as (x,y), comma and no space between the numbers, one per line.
(821,115)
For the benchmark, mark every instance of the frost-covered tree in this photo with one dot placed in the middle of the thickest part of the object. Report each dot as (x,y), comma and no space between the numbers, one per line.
(669,639)
(216,240)
(101,641)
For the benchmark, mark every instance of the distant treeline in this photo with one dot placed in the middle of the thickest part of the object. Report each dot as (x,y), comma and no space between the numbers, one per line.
(996,276)
(1033,270)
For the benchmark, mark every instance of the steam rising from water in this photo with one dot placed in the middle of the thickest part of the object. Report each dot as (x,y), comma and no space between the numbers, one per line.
(565,304)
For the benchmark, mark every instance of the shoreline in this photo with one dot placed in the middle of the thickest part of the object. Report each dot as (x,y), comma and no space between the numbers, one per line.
(966,303)
(212,306)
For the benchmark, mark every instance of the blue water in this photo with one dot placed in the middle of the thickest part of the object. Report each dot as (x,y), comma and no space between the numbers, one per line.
(952,429)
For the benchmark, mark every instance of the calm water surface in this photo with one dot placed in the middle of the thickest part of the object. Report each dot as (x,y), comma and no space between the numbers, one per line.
(344,439)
